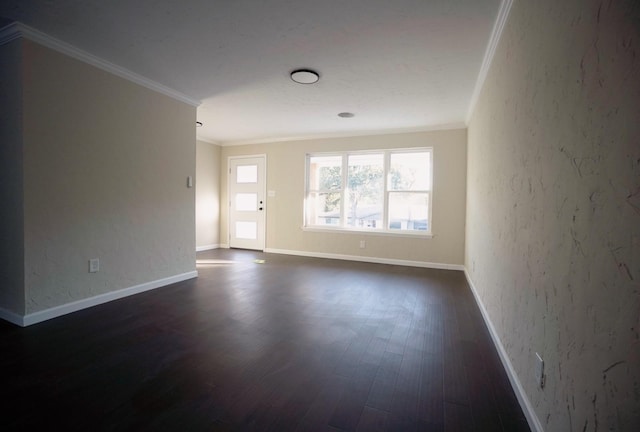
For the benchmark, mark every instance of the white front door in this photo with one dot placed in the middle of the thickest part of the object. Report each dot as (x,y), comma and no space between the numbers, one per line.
(247,202)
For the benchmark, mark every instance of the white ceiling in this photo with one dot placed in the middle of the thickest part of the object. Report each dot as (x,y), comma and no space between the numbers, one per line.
(399,65)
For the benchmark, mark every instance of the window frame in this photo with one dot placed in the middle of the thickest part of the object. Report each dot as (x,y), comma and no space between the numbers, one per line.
(343,191)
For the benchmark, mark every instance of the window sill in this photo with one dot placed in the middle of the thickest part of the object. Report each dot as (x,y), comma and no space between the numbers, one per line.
(413,234)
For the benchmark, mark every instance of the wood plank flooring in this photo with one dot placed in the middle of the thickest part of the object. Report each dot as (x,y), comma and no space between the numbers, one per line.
(291,344)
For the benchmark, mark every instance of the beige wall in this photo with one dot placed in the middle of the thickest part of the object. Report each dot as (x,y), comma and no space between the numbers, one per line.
(553,219)
(207,195)
(105,168)
(286,176)
(11,225)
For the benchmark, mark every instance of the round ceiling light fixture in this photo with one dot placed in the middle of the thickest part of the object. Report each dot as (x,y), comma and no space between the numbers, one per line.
(346,114)
(305,76)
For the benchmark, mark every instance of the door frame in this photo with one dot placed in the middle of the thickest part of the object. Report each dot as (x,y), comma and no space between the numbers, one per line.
(263,191)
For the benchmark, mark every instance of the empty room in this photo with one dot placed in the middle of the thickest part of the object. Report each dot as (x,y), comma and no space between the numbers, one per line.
(364,215)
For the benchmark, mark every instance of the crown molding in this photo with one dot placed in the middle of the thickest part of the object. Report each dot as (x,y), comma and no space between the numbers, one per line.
(353,134)
(9,33)
(18,30)
(503,13)
(207,140)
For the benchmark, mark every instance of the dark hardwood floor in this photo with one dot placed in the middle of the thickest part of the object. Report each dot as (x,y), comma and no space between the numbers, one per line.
(291,344)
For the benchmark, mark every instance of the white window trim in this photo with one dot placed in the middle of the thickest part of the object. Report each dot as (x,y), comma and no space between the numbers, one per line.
(386,164)
(387,233)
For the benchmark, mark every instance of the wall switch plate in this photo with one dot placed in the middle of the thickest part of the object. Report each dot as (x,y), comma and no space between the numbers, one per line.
(539,371)
(189,182)
(94,265)
(363,244)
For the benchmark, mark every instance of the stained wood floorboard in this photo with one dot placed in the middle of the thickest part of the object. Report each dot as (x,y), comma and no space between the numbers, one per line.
(291,344)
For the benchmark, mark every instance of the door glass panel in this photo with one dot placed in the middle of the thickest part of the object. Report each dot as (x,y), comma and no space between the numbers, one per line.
(246,202)
(247,230)
(247,174)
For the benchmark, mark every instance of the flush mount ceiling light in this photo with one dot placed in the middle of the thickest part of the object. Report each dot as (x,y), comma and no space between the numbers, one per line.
(305,76)
(346,114)
(198,124)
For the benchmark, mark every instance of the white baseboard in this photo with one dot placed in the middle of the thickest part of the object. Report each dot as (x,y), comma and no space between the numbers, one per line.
(12,317)
(207,247)
(75,306)
(368,259)
(224,246)
(525,403)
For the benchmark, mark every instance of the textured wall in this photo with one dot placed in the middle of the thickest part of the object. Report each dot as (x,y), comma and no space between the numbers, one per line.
(286,176)
(11,225)
(105,169)
(207,194)
(553,208)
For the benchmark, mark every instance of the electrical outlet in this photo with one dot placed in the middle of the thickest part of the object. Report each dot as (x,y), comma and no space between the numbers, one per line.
(539,371)
(363,244)
(94,265)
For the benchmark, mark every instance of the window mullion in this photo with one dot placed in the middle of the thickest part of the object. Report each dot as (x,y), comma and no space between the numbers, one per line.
(385,209)
(307,200)
(344,190)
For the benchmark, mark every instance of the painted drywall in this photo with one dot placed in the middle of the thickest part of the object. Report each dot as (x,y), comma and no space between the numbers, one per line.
(553,209)
(11,225)
(286,177)
(207,195)
(105,169)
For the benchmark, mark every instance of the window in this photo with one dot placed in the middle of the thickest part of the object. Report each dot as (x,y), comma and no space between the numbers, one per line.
(379,191)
